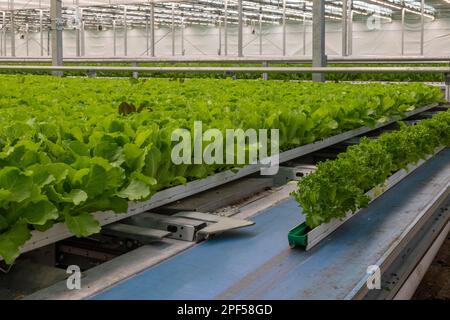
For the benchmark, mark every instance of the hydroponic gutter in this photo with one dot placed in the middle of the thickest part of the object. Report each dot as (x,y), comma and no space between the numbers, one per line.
(313,237)
(60,231)
(257,265)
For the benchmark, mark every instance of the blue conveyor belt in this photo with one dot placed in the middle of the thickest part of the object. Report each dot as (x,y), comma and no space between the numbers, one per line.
(257,263)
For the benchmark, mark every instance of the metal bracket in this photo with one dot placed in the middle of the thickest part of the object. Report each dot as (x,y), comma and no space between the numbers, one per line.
(447,86)
(135,73)
(179,228)
(230,74)
(59,24)
(92,74)
(296,173)
(189,225)
(216,224)
(142,234)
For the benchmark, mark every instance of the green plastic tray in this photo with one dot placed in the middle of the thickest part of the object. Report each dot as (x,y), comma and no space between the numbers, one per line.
(298,236)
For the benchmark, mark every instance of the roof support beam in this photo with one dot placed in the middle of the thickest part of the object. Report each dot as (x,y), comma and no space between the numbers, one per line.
(319,58)
(56,34)
(240,30)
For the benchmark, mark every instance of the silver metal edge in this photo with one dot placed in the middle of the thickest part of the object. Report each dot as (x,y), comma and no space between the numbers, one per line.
(397,246)
(444,70)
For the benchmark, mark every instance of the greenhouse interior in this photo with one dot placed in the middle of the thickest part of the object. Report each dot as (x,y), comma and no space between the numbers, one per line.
(211,150)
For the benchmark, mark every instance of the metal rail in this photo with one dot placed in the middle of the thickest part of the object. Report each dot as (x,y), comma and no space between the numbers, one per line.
(248,59)
(443,70)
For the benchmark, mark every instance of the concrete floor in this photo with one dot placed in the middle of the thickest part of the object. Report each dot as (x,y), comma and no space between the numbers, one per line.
(436,283)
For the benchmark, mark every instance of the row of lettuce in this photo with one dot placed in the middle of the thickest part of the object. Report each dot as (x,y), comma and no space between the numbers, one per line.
(69,149)
(339,186)
(393,77)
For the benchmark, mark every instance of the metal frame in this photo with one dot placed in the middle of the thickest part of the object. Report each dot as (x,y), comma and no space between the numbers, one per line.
(396,274)
(412,282)
(56,32)
(314,70)
(402,243)
(60,231)
(230,59)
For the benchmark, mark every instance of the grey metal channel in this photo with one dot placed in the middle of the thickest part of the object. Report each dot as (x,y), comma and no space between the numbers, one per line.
(397,273)
(247,59)
(402,243)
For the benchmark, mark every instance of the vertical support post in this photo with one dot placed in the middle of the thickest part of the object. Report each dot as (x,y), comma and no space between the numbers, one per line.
(41,33)
(403,32)
(265,75)
(173,29)
(318,54)
(83,35)
(240,30)
(447,86)
(27,39)
(114,38)
(422,25)
(182,38)
(284,27)
(260,35)
(125,36)
(350,30)
(3,43)
(1,39)
(56,29)
(225,28)
(78,30)
(135,73)
(219,52)
(13,27)
(344,28)
(152,28)
(48,41)
(147,44)
(304,29)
